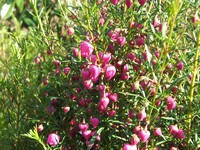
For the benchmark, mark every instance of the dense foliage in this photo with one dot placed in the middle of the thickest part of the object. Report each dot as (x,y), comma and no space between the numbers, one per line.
(117,74)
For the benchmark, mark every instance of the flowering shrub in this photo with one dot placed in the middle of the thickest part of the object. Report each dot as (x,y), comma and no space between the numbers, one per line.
(123,79)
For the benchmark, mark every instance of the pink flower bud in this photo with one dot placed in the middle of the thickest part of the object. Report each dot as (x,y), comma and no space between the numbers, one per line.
(144,135)
(153,91)
(131,56)
(129,3)
(156,21)
(126,68)
(106,58)
(121,40)
(111,113)
(57,63)
(93,133)
(142,115)
(180,134)
(180,65)
(37,60)
(73,122)
(157,54)
(113,97)
(101,21)
(135,86)
(131,114)
(94,72)
(86,134)
(66,109)
(88,84)
(128,146)
(70,31)
(140,42)
(98,137)
(111,49)
(114,2)
(83,127)
(171,103)
(40,127)
(157,132)
(135,140)
(57,71)
(195,18)
(66,70)
(75,52)
(131,43)
(101,88)
(50,110)
(53,139)
(142,2)
(134,24)
(125,76)
(113,35)
(94,122)
(110,72)
(103,103)
(158,103)
(173,129)
(85,74)
(137,129)
(173,148)
(82,102)
(86,49)
(139,26)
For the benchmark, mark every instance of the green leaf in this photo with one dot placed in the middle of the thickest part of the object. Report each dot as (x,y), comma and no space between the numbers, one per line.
(118,137)
(7,9)
(94,138)
(20,4)
(168,118)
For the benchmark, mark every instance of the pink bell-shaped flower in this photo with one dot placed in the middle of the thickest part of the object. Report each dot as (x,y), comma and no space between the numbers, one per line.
(66,109)
(135,140)
(106,58)
(103,103)
(88,84)
(128,146)
(157,132)
(142,115)
(114,2)
(53,139)
(66,70)
(144,135)
(173,129)
(86,49)
(121,40)
(111,113)
(86,134)
(94,122)
(113,97)
(70,31)
(129,3)
(110,72)
(83,127)
(180,134)
(85,74)
(171,103)
(94,71)
(142,2)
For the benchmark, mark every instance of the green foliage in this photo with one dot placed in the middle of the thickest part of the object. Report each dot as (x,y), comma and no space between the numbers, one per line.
(31,90)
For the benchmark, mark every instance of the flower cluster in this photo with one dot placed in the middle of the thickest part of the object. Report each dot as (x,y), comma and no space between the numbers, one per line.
(112,88)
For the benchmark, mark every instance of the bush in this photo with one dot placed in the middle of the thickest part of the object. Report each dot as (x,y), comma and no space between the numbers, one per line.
(118,74)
